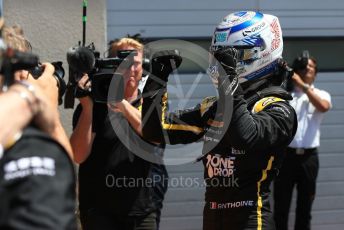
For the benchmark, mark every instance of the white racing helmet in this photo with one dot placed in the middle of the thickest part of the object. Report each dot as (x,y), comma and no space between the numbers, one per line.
(257,37)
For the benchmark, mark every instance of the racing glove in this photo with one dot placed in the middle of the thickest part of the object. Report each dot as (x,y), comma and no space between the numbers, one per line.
(228,78)
(228,82)
(162,64)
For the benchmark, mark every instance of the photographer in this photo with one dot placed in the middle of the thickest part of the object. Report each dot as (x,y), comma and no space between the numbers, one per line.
(102,154)
(37,184)
(14,38)
(301,165)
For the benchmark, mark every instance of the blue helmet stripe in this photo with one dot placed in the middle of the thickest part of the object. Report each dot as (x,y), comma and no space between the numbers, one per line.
(222,29)
(249,23)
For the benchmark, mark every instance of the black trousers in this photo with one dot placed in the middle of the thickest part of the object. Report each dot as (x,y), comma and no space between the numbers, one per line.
(97,220)
(300,170)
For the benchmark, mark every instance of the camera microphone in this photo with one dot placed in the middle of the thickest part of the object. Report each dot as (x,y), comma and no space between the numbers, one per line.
(81,59)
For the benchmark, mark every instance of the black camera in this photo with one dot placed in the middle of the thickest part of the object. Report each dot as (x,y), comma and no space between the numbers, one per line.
(102,72)
(14,60)
(301,62)
(59,73)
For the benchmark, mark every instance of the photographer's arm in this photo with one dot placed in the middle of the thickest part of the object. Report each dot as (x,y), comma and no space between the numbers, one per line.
(48,82)
(15,112)
(49,96)
(41,99)
(82,136)
(320,104)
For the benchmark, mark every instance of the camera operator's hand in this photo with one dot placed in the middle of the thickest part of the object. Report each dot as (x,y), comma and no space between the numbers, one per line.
(118,107)
(132,114)
(297,80)
(83,88)
(83,136)
(164,62)
(84,84)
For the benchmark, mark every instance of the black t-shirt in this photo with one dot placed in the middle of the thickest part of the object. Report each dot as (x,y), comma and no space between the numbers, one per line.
(113,179)
(37,185)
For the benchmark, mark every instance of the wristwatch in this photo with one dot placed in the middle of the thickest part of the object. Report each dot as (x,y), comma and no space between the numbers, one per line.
(305,87)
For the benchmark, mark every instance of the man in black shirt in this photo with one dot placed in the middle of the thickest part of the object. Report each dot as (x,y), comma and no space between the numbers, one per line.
(118,189)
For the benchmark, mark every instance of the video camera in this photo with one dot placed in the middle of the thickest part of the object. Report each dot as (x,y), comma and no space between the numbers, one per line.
(14,60)
(101,72)
(85,59)
(301,62)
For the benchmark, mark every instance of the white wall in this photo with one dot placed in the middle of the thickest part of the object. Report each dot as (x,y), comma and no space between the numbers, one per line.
(197,18)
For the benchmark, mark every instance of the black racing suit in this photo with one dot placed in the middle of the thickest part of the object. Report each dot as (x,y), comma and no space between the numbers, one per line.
(239,169)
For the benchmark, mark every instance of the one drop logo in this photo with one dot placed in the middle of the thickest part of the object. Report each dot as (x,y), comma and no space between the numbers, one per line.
(220,166)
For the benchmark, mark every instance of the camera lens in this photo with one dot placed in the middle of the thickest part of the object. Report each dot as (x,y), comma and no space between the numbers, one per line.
(59,71)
